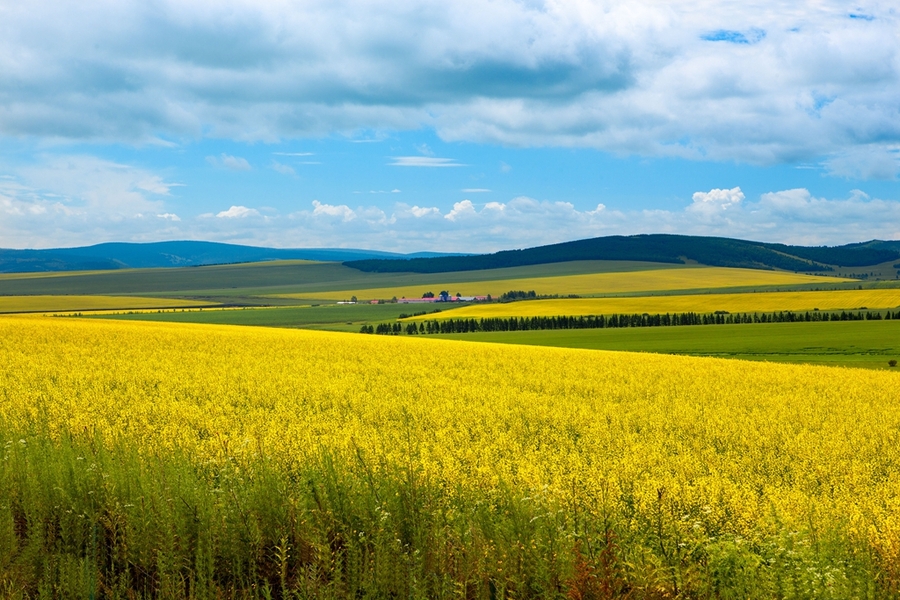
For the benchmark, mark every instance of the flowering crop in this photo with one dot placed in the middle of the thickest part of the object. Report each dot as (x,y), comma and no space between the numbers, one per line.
(461,466)
(699,303)
(584,284)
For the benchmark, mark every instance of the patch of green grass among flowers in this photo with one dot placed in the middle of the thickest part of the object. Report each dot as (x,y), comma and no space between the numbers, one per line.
(339,317)
(869,344)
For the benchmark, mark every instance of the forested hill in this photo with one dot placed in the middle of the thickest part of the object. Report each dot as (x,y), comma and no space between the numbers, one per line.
(713,251)
(115,255)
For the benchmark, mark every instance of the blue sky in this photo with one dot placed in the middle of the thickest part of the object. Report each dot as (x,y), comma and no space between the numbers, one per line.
(465,126)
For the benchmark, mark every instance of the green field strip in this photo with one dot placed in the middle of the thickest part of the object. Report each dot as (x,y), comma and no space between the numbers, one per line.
(867,344)
(594,284)
(332,316)
(71,303)
(766,302)
(238,283)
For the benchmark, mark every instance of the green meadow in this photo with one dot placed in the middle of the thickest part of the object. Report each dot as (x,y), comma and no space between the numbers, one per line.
(869,344)
(337,317)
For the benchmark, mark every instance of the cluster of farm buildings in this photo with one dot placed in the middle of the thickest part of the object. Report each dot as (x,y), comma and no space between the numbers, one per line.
(426,299)
(440,299)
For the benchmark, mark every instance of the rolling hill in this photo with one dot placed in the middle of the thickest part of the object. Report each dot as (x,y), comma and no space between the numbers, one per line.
(662,248)
(119,255)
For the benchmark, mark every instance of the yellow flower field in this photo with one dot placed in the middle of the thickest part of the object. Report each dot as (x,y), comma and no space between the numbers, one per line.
(20,304)
(700,303)
(587,284)
(744,448)
(716,455)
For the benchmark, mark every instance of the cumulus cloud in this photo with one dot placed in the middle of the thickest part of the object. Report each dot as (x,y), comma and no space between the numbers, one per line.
(461,210)
(238,212)
(781,83)
(30,217)
(716,203)
(342,212)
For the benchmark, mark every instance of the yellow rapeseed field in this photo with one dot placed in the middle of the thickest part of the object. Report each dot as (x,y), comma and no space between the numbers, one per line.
(747,449)
(19,304)
(699,303)
(586,284)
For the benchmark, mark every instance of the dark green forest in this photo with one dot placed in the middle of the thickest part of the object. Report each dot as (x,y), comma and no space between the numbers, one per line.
(663,248)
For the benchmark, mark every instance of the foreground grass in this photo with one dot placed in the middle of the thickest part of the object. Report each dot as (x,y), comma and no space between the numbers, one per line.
(867,344)
(170,460)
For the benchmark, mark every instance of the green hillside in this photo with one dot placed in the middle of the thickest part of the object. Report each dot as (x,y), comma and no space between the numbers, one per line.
(660,248)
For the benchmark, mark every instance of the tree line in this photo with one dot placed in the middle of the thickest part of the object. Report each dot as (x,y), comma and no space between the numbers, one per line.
(490,324)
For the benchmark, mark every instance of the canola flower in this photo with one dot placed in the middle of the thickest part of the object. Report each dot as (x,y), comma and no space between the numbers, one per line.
(700,303)
(665,279)
(680,457)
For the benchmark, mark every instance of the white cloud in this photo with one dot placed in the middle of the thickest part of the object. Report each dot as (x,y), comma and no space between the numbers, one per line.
(30,216)
(423,161)
(475,190)
(874,162)
(721,199)
(343,212)
(716,202)
(420,212)
(461,210)
(790,216)
(232,163)
(238,212)
(78,199)
(283,169)
(83,180)
(774,82)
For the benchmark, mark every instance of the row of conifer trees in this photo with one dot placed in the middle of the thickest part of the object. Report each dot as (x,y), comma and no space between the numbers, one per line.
(490,324)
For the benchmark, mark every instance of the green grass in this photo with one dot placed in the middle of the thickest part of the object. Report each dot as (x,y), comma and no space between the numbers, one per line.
(38,304)
(868,344)
(225,280)
(338,317)
(83,520)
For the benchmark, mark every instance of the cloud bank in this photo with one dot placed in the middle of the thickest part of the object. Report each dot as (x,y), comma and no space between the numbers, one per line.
(761,83)
(90,200)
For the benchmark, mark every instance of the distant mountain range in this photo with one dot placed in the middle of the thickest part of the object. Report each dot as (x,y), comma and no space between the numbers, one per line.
(713,251)
(173,254)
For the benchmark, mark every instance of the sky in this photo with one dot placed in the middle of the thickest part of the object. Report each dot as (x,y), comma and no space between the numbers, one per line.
(464,126)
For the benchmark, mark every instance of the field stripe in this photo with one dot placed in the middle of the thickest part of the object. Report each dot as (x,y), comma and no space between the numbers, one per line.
(706,303)
(667,279)
(26,304)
